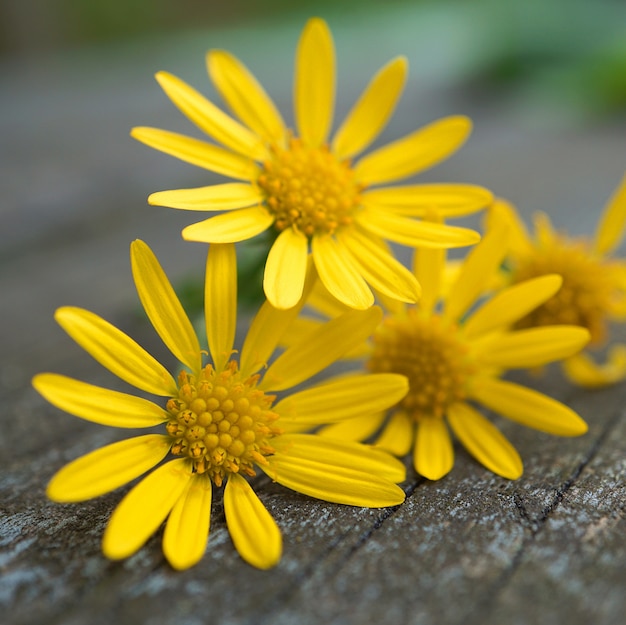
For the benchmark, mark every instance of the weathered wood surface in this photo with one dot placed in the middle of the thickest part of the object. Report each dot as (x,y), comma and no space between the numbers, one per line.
(471,548)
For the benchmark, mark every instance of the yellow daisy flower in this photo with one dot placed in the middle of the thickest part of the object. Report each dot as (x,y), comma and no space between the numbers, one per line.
(308,190)
(594,283)
(222,420)
(454,349)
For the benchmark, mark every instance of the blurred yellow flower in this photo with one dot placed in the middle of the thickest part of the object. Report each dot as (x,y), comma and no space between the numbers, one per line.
(308,190)
(594,283)
(221,419)
(454,348)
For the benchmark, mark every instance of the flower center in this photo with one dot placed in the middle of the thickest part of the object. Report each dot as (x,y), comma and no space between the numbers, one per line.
(585,296)
(221,422)
(309,189)
(432,357)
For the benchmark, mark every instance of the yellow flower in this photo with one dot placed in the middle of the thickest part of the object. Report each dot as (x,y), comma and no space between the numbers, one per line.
(308,190)
(221,419)
(454,349)
(594,284)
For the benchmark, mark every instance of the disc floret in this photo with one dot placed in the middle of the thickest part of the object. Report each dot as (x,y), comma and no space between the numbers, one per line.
(221,422)
(309,189)
(432,356)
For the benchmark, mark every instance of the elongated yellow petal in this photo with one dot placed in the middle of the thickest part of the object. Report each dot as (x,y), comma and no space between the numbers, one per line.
(144,508)
(371,112)
(450,200)
(108,468)
(511,304)
(199,153)
(314,83)
(429,267)
(245,96)
(339,274)
(346,397)
(252,528)
(433,455)
(534,347)
(187,529)
(220,302)
(397,435)
(232,227)
(527,406)
(268,327)
(285,269)
(163,307)
(484,441)
(211,119)
(611,226)
(356,429)
(323,302)
(217,197)
(315,352)
(97,404)
(338,453)
(415,152)
(414,233)
(582,369)
(477,270)
(379,268)
(116,351)
(503,212)
(350,477)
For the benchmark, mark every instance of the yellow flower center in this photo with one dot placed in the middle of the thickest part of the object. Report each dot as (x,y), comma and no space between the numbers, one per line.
(585,296)
(431,355)
(309,189)
(222,422)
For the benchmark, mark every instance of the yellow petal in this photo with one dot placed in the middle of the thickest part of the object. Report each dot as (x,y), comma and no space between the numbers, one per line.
(315,352)
(345,397)
(267,329)
(397,435)
(252,528)
(534,347)
(108,468)
(414,233)
(163,307)
(246,97)
(511,304)
(415,152)
(217,197)
(187,529)
(144,508)
(220,302)
(611,226)
(324,302)
(314,89)
(97,404)
(231,227)
(211,119)
(527,406)
(356,429)
(503,212)
(433,455)
(349,476)
(582,369)
(116,351)
(450,200)
(428,267)
(199,153)
(285,269)
(484,441)
(371,112)
(339,274)
(379,268)
(477,270)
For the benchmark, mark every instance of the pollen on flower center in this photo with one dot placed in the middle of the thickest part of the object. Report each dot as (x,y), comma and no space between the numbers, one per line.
(432,357)
(583,299)
(309,189)
(222,422)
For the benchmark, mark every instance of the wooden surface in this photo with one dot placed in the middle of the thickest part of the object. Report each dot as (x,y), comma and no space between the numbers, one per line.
(470,549)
